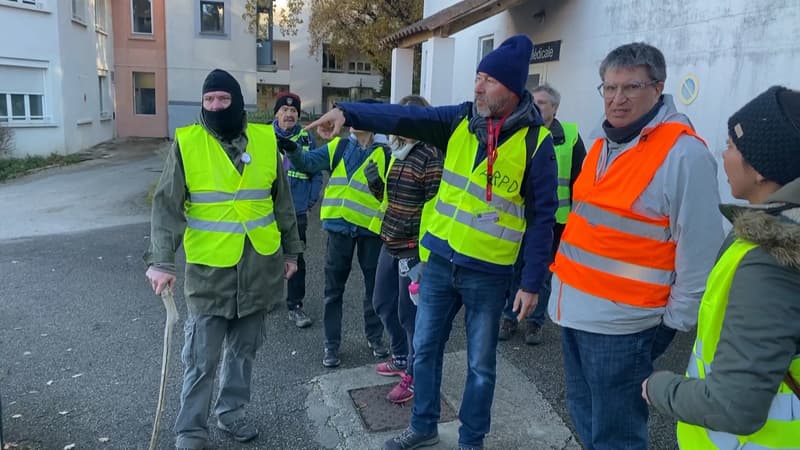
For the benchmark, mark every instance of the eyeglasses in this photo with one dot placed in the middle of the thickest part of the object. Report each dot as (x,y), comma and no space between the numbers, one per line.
(631,90)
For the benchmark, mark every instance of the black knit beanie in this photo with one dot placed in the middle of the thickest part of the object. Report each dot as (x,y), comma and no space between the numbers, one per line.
(287,99)
(767,132)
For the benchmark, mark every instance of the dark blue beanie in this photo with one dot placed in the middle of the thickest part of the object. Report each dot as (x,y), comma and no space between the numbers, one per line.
(509,63)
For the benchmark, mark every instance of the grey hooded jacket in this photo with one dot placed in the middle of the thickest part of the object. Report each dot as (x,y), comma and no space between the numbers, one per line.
(761,330)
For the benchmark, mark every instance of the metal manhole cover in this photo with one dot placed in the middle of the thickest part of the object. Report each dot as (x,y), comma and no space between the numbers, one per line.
(378,414)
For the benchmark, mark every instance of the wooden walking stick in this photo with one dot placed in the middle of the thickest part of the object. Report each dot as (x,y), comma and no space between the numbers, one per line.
(169,325)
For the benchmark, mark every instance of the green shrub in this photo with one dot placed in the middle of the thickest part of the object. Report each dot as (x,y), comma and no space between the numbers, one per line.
(15,167)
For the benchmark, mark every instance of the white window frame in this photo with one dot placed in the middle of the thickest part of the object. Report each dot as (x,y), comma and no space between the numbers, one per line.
(536,70)
(326,58)
(225,13)
(481,40)
(359,67)
(101,15)
(104,94)
(9,119)
(42,91)
(155,94)
(26,2)
(133,20)
(79,11)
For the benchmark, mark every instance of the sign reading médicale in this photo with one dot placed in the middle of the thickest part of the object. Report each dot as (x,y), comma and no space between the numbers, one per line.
(546,51)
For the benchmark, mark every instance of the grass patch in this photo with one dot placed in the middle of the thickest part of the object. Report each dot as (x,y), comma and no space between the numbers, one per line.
(15,167)
(151,190)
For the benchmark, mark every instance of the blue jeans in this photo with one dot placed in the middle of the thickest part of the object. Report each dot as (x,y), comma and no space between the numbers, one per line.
(393,304)
(444,289)
(604,385)
(539,314)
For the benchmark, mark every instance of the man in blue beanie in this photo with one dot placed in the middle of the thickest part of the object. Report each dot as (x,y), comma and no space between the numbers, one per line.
(498,185)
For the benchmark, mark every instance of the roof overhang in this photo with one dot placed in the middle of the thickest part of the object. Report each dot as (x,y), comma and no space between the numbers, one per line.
(447,21)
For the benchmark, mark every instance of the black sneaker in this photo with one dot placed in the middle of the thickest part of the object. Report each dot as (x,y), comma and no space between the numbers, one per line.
(410,439)
(299,317)
(533,335)
(507,328)
(331,358)
(240,429)
(379,350)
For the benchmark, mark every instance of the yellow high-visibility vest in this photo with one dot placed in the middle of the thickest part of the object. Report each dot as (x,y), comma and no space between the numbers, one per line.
(223,206)
(782,429)
(486,231)
(351,199)
(564,162)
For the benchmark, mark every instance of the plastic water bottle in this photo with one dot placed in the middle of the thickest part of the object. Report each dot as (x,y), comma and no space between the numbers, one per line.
(413,292)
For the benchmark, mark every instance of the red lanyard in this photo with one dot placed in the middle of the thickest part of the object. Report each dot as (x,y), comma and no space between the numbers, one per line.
(491,153)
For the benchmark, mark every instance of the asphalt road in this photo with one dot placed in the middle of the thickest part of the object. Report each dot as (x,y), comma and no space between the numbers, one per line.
(81,334)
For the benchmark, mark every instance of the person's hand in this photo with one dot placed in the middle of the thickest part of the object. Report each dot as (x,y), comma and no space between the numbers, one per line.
(289,269)
(371,172)
(286,145)
(644,390)
(159,280)
(329,125)
(524,304)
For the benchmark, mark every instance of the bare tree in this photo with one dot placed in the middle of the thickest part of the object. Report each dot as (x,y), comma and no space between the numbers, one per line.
(6,141)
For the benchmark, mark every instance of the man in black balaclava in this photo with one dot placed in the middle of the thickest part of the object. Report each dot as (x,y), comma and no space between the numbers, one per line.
(223,189)
(223,105)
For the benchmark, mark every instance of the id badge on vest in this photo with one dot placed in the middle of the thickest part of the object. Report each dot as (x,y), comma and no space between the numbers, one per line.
(488,217)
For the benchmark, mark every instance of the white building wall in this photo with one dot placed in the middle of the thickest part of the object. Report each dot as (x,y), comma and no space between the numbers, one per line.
(85,54)
(191,55)
(39,53)
(734,48)
(69,54)
(305,69)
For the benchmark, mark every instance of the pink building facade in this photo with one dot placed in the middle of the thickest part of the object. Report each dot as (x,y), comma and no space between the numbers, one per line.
(140,56)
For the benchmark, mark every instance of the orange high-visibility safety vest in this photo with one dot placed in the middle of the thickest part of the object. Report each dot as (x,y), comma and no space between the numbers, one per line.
(608,250)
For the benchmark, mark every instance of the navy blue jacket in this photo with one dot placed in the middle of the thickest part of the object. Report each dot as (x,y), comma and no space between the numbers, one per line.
(435,125)
(305,193)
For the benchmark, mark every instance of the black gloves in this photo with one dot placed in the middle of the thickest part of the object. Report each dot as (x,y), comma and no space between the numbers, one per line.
(286,145)
(371,172)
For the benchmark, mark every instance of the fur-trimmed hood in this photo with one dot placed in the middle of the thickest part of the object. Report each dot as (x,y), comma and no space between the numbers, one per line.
(775,226)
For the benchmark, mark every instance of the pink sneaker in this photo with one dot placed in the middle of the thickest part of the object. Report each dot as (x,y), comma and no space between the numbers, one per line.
(404,391)
(391,368)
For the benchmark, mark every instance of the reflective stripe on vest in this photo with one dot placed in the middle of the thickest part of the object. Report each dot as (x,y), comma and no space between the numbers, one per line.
(216,197)
(608,250)
(486,231)
(564,162)
(224,208)
(351,199)
(782,427)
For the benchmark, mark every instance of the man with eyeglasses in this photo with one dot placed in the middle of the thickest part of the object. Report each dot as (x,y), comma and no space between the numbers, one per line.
(639,243)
